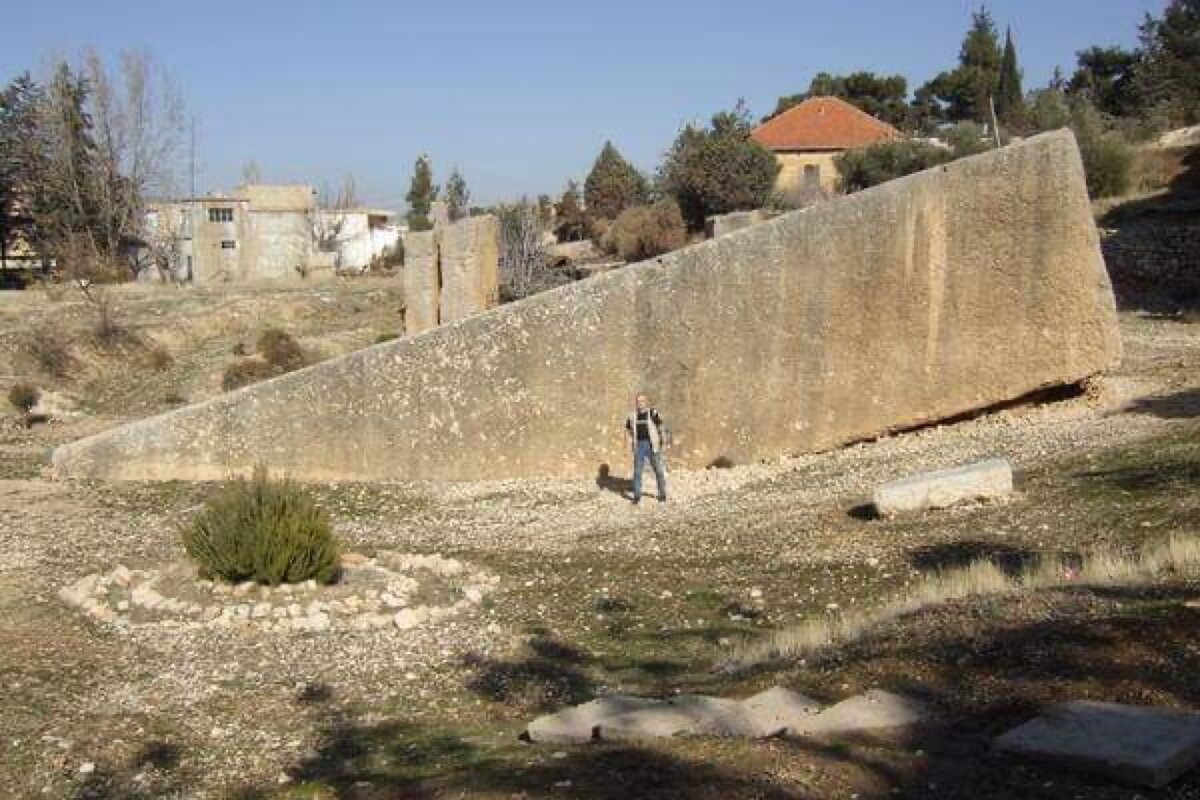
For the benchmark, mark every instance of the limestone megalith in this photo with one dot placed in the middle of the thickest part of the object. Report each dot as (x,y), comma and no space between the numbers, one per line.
(947,291)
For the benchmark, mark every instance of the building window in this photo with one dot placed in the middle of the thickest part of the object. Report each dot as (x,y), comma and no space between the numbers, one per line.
(228,244)
(812,174)
(220,215)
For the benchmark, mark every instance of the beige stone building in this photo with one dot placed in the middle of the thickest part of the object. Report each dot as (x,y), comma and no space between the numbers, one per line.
(262,232)
(808,137)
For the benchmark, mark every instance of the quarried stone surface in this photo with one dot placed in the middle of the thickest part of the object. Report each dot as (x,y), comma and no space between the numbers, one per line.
(778,710)
(983,480)
(722,224)
(686,714)
(936,294)
(1132,744)
(422,287)
(470,259)
(871,712)
(580,723)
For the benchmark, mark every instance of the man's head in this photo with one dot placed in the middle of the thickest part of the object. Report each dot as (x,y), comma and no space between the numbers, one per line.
(642,401)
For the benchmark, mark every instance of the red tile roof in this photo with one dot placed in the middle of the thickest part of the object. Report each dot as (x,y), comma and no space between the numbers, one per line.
(822,123)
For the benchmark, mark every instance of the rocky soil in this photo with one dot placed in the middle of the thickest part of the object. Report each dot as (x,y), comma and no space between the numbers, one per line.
(590,596)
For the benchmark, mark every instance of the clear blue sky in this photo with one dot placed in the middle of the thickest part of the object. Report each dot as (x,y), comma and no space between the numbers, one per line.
(520,95)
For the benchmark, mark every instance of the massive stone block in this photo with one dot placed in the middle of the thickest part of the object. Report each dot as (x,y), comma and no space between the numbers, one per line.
(422,283)
(470,266)
(936,294)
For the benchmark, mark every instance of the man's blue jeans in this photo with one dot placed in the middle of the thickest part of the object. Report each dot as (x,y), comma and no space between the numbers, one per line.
(642,450)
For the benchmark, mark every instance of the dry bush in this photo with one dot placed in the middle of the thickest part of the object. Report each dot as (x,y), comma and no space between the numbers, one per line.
(245,372)
(23,397)
(1177,556)
(159,358)
(280,349)
(644,232)
(49,348)
(263,530)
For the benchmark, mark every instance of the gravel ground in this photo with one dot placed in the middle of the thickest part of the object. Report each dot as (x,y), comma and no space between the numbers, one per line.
(91,712)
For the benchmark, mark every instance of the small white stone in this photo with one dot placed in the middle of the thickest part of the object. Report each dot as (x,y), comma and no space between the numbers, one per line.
(756,593)
(243,588)
(87,768)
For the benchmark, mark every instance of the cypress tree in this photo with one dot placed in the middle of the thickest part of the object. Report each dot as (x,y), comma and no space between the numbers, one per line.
(613,185)
(458,197)
(420,197)
(1010,99)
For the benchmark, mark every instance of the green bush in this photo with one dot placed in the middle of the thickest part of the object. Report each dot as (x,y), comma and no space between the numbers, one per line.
(870,166)
(280,349)
(245,372)
(1109,163)
(263,530)
(23,397)
(718,169)
(647,231)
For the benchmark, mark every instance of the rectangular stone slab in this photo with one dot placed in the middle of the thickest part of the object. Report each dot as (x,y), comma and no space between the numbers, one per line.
(422,282)
(1140,745)
(917,300)
(944,488)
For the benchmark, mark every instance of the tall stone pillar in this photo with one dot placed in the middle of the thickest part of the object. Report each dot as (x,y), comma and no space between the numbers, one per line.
(470,267)
(422,283)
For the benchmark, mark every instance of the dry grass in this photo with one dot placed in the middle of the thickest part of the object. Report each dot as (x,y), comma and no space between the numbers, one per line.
(1176,556)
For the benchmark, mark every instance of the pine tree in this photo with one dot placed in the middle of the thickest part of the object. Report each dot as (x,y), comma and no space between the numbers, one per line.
(572,221)
(964,94)
(613,185)
(1010,99)
(21,159)
(421,194)
(458,197)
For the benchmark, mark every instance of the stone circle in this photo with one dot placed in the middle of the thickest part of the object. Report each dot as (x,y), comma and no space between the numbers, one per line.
(388,591)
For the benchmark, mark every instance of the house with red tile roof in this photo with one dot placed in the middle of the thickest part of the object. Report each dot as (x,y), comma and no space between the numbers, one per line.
(808,137)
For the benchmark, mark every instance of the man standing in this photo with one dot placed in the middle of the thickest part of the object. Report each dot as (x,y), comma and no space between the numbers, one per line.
(644,430)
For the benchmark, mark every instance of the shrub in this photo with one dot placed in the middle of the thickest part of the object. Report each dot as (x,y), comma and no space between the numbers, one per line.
(263,530)
(718,169)
(50,350)
(247,371)
(23,397)
(613,185)
(646,231)
(280,349)
(967,139)
(1108,162)
(870,166)
(159,358)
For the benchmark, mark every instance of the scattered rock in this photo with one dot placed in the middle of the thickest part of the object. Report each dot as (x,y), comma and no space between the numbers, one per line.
(579,723)
(944,488)
(778,710)
(1140,745)
(871,712)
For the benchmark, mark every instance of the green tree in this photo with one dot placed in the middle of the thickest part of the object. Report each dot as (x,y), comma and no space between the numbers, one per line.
(421,194)
(1048,110)
(718,169)
(964,93)
(613,185)
(1168,75)
(458,197)
(21,161)
(884,97)
(570,216)
(1105,75)
(1010,98)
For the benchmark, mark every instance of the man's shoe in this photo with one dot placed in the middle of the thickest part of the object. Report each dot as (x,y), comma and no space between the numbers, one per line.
(662,498)
(637,500)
